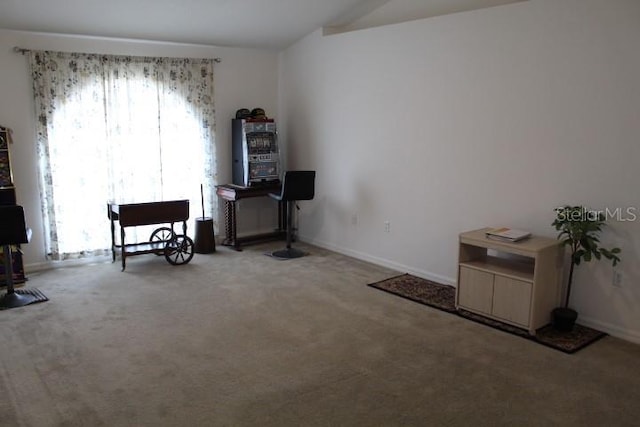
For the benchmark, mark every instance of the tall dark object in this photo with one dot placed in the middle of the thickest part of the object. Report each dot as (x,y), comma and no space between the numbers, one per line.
(8,198)
(297,185)
(204,241)
(13,231)
(256,158)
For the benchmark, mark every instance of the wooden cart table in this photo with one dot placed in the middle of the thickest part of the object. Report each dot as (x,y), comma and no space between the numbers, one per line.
(177,248)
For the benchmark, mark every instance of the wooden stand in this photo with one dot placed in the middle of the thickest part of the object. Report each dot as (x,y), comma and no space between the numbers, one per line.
(515,283)
(231,194)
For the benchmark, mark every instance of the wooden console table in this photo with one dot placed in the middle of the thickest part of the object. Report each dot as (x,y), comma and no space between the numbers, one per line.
(231,194)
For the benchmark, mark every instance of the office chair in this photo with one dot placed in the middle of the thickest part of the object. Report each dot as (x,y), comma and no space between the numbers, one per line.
(297,185)
(13,231)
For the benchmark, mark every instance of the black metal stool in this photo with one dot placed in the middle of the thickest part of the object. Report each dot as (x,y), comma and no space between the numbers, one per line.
(297,185)
(13,231)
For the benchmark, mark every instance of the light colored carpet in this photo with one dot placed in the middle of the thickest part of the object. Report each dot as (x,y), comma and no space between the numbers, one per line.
(241,339)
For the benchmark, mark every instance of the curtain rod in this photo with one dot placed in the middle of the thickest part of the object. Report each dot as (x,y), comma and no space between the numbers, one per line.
(24,51)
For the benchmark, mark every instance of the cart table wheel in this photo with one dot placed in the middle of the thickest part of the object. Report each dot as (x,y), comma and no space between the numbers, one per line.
(159,238)
(179,250)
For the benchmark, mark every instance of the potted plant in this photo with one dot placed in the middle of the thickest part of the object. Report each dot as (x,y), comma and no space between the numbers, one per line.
(579,229)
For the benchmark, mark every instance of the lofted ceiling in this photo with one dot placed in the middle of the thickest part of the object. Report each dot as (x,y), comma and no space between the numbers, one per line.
(270,24)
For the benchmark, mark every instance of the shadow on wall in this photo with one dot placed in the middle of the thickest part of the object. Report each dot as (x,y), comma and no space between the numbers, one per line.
(347,212)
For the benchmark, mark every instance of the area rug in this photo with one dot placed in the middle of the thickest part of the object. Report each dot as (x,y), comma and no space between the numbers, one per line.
(420,290)
(443,298)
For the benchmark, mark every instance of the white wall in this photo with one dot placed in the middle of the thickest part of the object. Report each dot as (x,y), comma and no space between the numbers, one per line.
(245,78)
(483,118)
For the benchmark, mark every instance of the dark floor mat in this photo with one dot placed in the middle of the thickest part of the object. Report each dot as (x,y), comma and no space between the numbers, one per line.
(443,298)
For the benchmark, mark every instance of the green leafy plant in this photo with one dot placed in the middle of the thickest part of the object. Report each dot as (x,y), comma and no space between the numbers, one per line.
(579,230)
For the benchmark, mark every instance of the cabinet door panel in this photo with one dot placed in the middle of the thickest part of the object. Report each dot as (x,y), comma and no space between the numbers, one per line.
(476,290)
(512,300)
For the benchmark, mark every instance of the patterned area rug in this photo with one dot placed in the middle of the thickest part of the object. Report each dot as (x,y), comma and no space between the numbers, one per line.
(443,297)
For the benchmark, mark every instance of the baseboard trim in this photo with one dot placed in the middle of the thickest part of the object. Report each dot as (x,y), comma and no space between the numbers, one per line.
(48,265)
(613,330)
(380,261)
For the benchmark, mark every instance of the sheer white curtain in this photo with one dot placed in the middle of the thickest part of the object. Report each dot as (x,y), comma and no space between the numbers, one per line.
(128,129)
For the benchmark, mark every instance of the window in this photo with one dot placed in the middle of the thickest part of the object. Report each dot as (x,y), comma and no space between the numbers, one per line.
(129,129)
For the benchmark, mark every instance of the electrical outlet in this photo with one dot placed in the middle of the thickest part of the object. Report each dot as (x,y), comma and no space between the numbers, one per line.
(617,278)
(387,226)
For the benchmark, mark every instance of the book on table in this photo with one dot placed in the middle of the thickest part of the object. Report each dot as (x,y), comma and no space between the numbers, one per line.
(507,234)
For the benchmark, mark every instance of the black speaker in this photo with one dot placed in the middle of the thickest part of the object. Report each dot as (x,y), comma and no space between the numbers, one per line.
(13,229)
(7,196)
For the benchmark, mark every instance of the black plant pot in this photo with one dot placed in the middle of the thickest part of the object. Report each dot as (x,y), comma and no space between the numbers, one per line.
(563,319)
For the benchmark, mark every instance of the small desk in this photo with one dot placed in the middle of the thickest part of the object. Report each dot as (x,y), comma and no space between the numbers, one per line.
(231,193)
